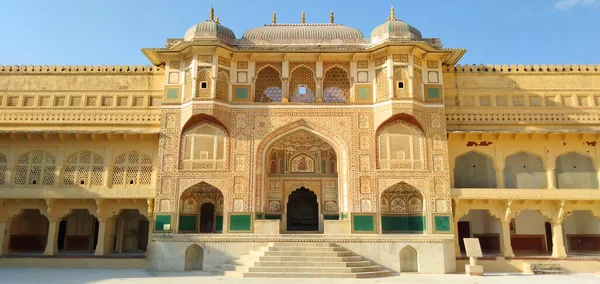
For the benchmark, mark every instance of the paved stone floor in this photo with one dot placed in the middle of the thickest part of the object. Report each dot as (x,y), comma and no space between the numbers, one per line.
(42,275)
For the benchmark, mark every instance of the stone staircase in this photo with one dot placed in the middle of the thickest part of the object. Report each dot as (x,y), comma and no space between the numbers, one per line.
(543,269)
(303,260)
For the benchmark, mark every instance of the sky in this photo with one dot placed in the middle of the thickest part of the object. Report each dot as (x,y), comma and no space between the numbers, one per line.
(111,32)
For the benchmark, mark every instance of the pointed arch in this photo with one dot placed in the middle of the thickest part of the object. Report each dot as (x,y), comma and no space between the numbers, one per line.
(402,209)
(401,144)
(474,170)
(84,169)
(194,216)
(268,85)
(35,168)
(336,85)
(575,171)
(203,83)
(524,170)
(132,169)
(222,86)
(301,77)
(337,143)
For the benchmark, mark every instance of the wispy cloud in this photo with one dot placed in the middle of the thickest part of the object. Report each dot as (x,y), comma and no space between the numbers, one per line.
(565,5)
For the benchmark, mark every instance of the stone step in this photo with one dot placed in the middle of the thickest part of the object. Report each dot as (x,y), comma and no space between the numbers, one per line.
(372,274)
(307,248)
(307,264)
(315,269)
(308,253)
(301,244)
(548,272)
(309,258)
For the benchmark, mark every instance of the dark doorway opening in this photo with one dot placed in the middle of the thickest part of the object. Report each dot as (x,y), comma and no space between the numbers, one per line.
(464,231)
(62,232)
(303,211)
(207,218)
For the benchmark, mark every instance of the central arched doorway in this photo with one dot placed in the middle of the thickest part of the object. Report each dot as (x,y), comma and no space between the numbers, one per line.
(201,209)
(303,211)
(207,216)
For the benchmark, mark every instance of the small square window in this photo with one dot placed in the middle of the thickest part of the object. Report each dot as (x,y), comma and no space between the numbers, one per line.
(302,90)
(203,85)
(400,85)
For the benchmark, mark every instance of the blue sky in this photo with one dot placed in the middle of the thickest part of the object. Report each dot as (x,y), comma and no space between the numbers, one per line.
(78,32)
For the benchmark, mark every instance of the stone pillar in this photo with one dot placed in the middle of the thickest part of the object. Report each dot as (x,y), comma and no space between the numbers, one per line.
(5,226)
(104,235)
(507,250)
(52,237)
(213,87)
(558,246)
(500,169)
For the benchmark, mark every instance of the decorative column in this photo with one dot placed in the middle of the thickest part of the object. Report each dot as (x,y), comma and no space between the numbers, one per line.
(52,238)
(319,81)
(5,227)
(500,164)
(558,243)
(285,80)
(319,94)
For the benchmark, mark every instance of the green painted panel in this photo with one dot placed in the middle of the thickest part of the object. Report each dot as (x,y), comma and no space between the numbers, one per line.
(363,223)
(433,93)
(442,223)
(344,216)
(240,223)
(188,223)
(241,93)
(219,223)
(259,216)
(172,93)
(364,93)
(160,221)
(332,217)
(403,224)
(273,217)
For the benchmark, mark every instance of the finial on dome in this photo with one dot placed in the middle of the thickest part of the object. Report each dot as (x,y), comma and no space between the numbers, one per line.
(392,14)
(212,14)
(274,17)
(217,20)
(303,18)
(331,18)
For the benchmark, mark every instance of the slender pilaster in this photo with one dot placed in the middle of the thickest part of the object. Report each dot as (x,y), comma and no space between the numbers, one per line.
(456,240)
(550,178)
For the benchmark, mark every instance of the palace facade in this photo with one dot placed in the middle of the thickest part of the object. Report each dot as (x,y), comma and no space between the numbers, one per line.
(300,134)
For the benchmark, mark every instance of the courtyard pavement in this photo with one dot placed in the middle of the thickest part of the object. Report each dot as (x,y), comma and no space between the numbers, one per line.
(62,275)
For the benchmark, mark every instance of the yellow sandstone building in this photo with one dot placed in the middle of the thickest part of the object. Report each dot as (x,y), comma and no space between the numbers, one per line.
(300,150)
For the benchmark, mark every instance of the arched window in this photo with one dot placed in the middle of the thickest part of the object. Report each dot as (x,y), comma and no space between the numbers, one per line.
(2,168)
(203,83)
(524,170)
(204,148)
(401,147)
(35,168)
(268,85)
(336,85)
(474,170)
(302,85)
(575,171)
(132,169)
(222,86)
(84,168)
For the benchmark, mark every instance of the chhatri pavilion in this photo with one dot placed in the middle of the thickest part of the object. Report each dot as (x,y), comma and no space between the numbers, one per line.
(300,150)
